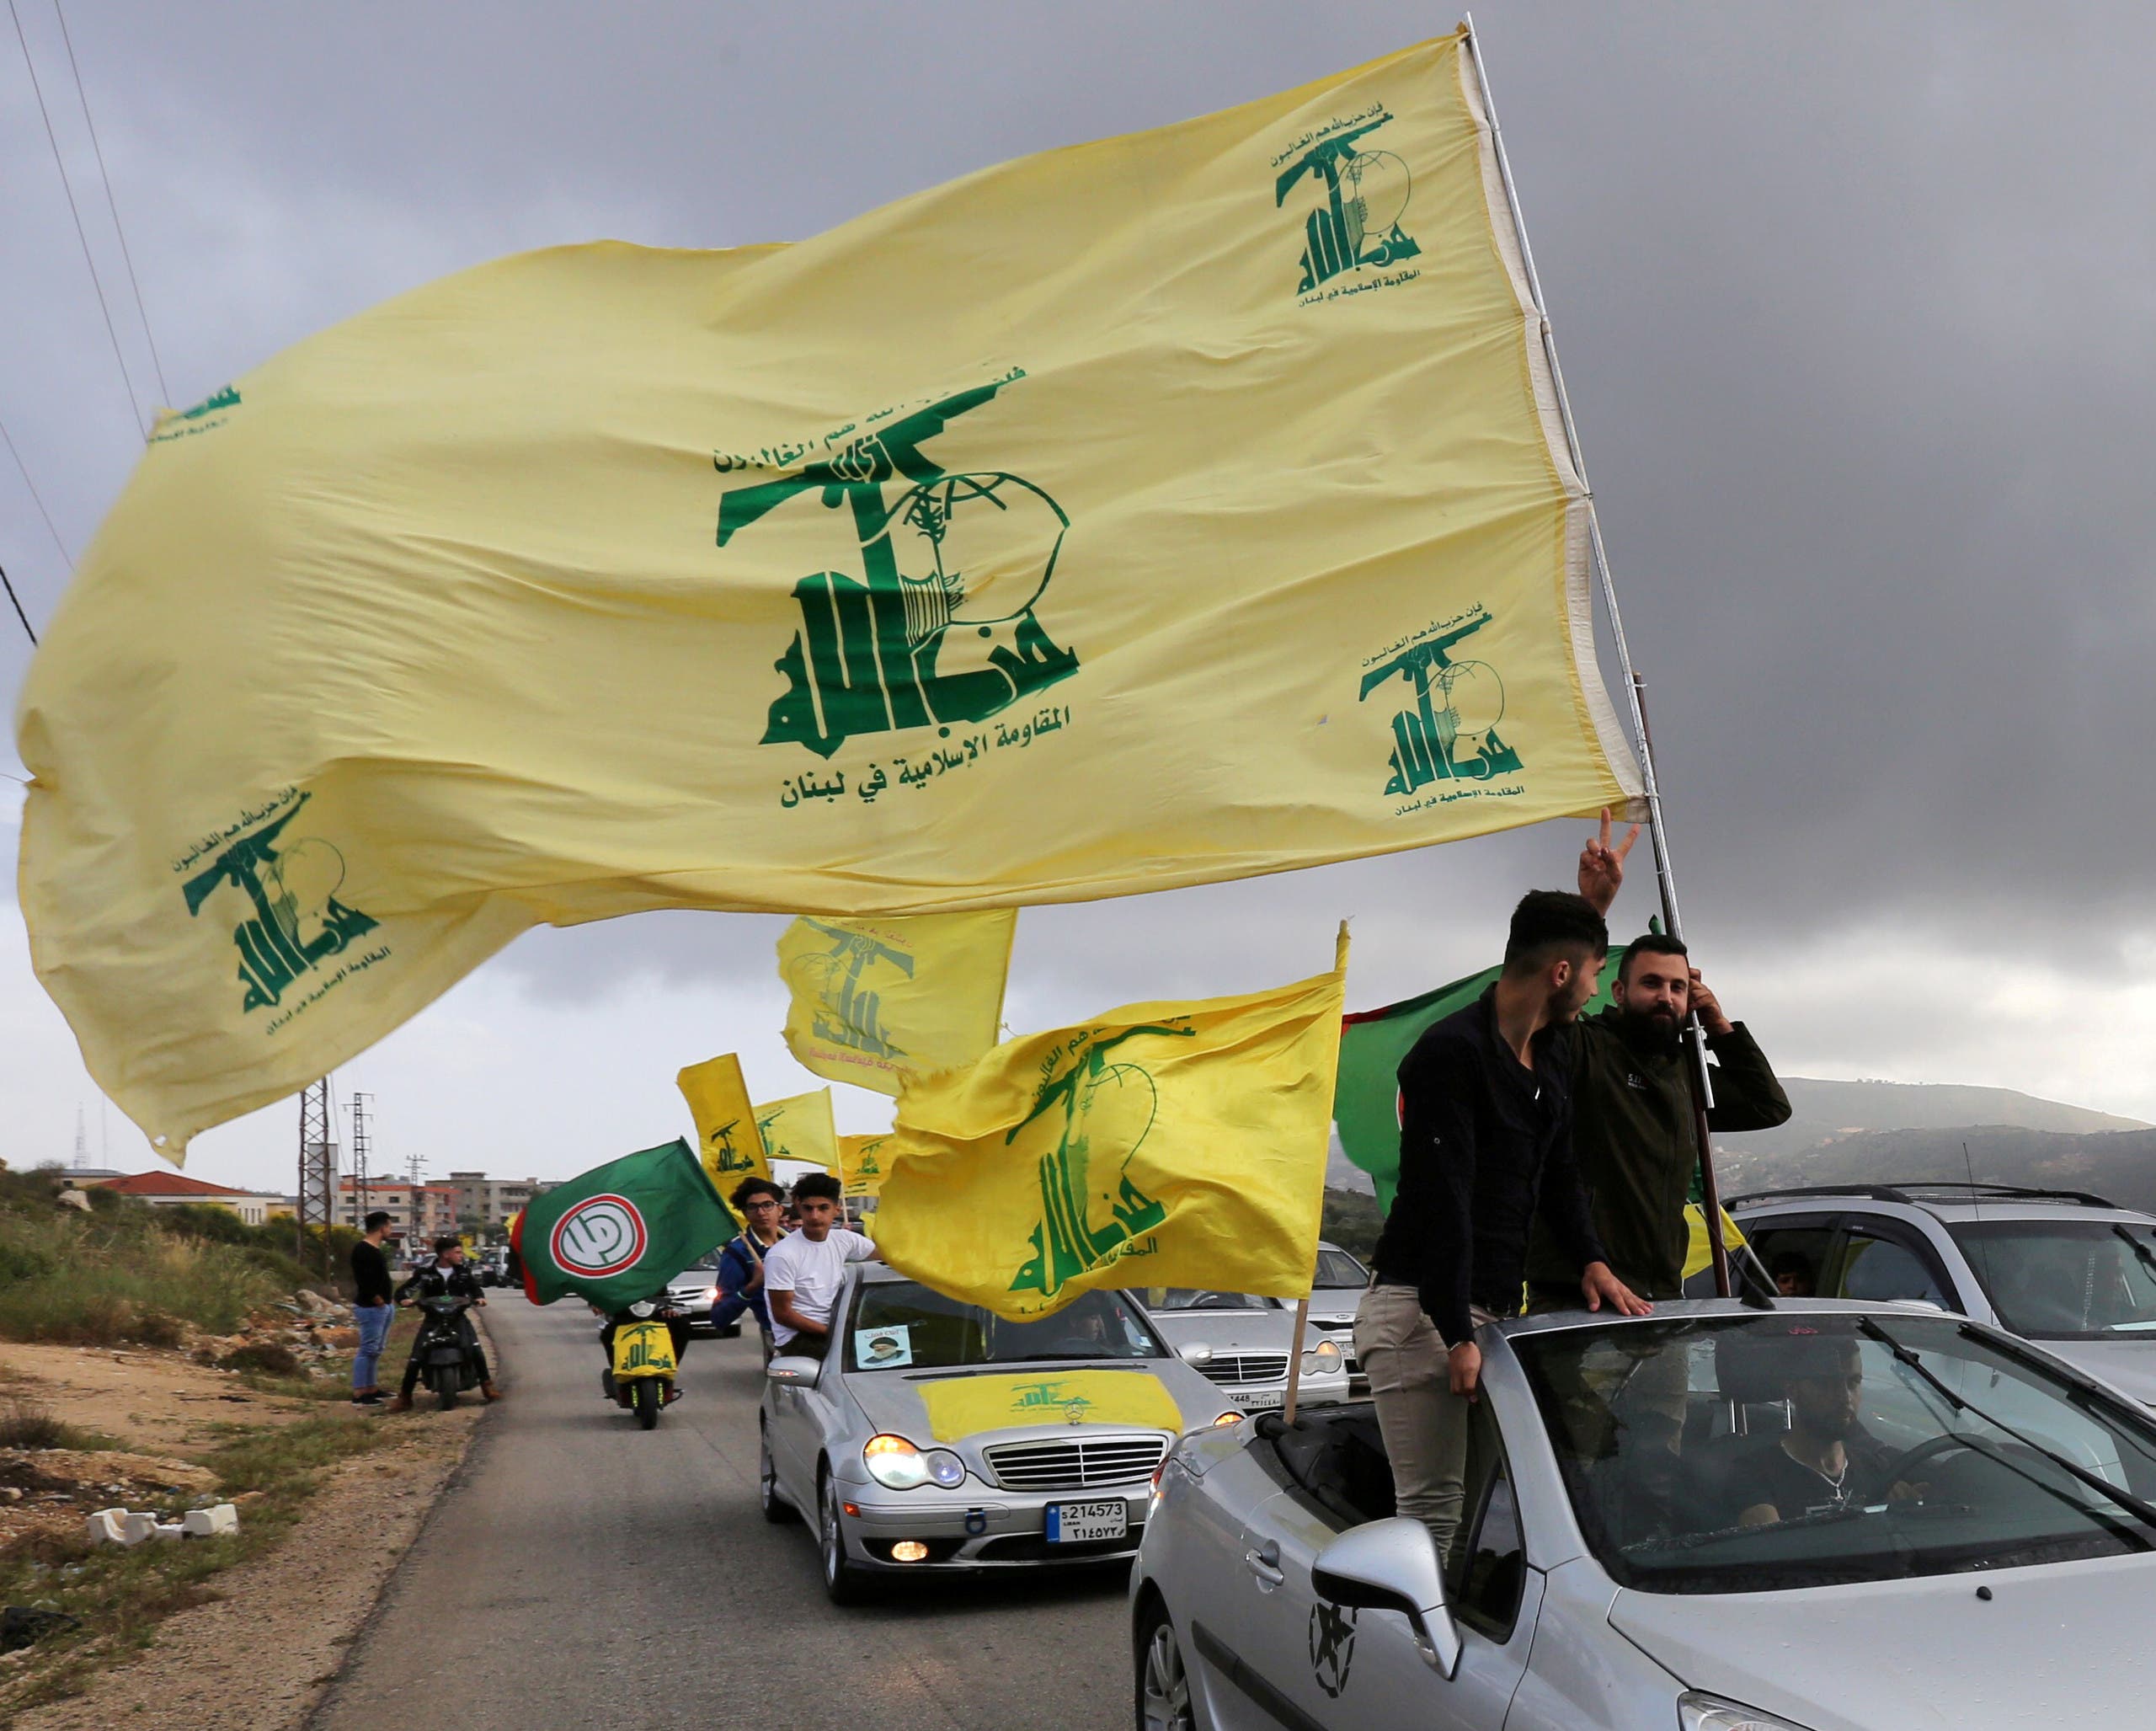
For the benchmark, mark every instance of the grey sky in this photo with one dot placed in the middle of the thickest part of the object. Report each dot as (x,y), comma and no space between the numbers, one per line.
(1857,306)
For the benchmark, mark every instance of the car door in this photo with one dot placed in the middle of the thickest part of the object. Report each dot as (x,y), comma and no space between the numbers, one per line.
(1308,1662)
(801,1415)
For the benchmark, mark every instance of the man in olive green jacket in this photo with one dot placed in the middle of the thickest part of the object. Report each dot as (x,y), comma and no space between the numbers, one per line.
(1633,1126)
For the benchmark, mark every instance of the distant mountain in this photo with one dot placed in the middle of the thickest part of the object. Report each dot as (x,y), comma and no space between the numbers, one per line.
(1827,1111)
(2119,1165)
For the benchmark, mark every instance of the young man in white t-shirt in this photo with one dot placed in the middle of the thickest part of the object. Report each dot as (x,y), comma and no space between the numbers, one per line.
(804,1272)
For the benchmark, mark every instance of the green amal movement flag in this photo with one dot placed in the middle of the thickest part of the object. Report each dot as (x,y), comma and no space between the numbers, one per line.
(1366,1099)
(619,1232)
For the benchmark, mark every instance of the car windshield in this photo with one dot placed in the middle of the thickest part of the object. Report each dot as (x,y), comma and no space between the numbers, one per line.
(1808,1447)
(2065,1280)
(1336,1267)
(899,1325)
(1201,1298)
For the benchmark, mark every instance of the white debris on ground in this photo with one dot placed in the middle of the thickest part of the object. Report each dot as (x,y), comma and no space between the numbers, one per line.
(118,1526)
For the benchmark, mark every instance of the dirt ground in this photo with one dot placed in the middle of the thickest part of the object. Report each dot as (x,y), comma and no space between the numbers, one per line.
(257,1657)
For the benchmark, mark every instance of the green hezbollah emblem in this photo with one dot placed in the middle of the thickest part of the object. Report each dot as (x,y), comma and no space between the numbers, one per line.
(847,1014)
(298,922)
(1450,731)
(939,628)
(1366,194)
(1120,1101)
(730,1158)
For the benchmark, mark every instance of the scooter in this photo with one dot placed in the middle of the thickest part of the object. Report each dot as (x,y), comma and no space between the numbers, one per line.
(641,1376)
(439,1347)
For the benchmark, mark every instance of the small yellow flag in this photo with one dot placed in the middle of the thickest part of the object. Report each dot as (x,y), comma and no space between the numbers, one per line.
(965,1406)
(799,1128)
(1698,1257)
(861,1169)
(1164,1145)
(726,1122)
(877,999)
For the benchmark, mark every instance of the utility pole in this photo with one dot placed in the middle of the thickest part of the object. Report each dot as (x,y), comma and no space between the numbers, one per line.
(362,1147)
(316,1201)
(82,1141)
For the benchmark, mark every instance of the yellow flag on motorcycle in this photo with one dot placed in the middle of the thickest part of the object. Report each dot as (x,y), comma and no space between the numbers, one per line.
(861,1170)
(1163,1145)
(799,1128)
(876,1001)
(726,1140)
(1155,511)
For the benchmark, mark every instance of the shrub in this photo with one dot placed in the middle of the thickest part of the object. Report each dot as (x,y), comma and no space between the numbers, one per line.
(25,1425)
(265,1357)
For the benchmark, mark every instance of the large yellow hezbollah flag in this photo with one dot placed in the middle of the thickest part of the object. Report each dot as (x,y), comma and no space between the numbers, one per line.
(727,1131)
(876,1001)
(1165,1145)
(1154,512)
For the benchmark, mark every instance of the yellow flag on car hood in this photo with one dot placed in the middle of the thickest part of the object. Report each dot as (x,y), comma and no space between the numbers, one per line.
(727,1139)
(876,1001)
(799,1128)
(1154,512)
(1164,1145)
(960,1407)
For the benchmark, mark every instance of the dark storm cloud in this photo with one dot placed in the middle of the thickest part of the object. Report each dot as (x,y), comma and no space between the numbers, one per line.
(1855,304)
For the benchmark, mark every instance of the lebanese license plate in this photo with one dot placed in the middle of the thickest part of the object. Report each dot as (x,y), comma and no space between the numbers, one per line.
(1082,1523)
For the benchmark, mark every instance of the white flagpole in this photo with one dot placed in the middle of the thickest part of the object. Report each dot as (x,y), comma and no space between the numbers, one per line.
(1651,788)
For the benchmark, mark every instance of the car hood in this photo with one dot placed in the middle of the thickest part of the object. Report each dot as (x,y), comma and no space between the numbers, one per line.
(1228,1331)
(2057,1644)
(2127,1365)
(891,1400)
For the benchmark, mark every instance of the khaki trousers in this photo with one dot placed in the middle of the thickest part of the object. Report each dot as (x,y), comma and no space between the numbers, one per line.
(1424,1423)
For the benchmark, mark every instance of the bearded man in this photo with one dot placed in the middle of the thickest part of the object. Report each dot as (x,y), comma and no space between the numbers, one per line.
(1633,1128)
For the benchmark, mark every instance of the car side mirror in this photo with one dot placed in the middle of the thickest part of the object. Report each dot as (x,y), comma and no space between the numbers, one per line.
(1392,1565)
(1197,1353)
(795,1368)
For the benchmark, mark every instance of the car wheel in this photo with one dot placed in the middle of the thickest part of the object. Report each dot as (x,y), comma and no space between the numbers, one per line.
(1163,1685)
(776,1510)
(844,1582)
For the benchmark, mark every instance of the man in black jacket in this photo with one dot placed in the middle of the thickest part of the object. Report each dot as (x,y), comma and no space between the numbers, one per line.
(451,1276)
(1486,1145)
(1634,1126)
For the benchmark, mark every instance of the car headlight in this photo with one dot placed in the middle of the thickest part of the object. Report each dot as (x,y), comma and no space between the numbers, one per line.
(897,1464)
(1323,1359)
(1226,1418)
(1709,1713)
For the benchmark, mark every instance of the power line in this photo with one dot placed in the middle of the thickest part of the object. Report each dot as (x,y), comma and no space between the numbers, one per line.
(19,614)
(141,312)
(36,498)
(134,407)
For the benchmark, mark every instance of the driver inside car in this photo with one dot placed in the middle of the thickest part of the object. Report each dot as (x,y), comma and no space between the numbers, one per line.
(1826,1460)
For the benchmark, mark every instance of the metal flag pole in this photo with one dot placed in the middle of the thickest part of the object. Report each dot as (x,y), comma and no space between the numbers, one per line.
(1696,1039)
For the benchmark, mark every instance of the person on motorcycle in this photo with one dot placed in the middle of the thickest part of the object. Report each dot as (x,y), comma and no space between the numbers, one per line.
(450,1277)
(676,1320)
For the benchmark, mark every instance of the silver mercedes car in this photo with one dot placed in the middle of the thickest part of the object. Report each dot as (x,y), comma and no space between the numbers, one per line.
(1241,1341)
(934,1436)
(1819,1516)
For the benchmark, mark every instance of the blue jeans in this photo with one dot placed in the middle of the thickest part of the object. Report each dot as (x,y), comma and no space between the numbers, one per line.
(374,1333)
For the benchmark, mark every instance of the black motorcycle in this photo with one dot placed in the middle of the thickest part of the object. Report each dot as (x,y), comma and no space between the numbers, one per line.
(442,1349)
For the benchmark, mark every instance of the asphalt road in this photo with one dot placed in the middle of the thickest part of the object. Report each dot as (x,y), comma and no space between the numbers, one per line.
(581,1572)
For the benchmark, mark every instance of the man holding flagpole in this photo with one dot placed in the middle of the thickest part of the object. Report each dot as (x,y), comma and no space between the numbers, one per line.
(1485,1147)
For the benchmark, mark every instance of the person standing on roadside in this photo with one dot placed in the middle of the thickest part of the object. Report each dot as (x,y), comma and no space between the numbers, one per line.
(762,1205)
(371,1309)
(804,1273)
(1485,1144)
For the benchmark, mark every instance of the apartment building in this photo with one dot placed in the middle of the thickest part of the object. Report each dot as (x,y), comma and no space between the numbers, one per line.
(416,1211)
(492,1201)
